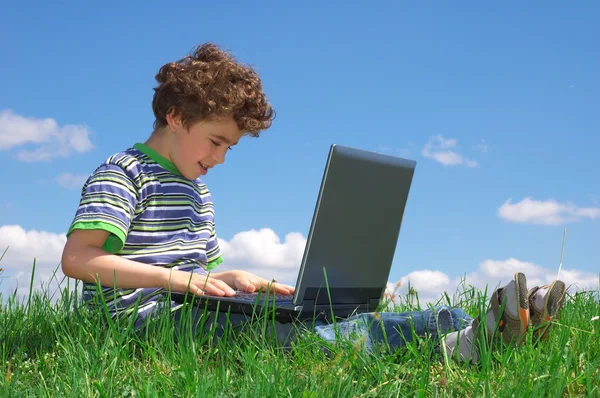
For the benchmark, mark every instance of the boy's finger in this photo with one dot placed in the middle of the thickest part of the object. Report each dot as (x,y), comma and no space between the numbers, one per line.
(281,288)
(288,289)
(215,287)
(213,291)
(196,290)
(247,286)
(227,290)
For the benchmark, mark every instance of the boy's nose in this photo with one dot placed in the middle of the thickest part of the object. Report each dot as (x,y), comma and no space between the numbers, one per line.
(219,157)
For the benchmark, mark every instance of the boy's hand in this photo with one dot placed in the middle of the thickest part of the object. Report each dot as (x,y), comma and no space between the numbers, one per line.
(247,282)
(198,284)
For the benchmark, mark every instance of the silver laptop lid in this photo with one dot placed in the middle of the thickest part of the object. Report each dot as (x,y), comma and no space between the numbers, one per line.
(355,227)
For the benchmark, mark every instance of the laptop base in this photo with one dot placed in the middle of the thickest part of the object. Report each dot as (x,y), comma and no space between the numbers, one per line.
(281,312)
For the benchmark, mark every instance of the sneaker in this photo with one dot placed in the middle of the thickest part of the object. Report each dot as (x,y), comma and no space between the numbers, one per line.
(461,345)
(512,322)
(508,311)
(544,304)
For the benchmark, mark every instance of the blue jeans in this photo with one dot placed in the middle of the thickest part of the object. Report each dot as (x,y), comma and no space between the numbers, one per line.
(392,329)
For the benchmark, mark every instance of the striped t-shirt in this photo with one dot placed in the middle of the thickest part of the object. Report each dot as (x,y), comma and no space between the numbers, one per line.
(154,216)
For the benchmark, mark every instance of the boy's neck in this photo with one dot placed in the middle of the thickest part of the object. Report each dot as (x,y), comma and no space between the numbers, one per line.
(159,142)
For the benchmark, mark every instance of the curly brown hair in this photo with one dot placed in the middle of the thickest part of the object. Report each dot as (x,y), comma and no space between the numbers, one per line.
(209,83)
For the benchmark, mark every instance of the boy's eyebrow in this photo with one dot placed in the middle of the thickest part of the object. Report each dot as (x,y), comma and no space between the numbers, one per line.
(224,139)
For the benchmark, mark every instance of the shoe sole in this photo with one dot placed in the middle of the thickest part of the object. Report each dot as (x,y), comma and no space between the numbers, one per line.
(553,300)
(552,304)
(512,327)
(522,302)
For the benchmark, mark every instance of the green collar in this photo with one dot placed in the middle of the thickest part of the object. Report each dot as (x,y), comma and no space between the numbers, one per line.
(157,157)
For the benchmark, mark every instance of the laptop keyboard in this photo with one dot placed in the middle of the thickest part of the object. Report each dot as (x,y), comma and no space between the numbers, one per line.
(278,297)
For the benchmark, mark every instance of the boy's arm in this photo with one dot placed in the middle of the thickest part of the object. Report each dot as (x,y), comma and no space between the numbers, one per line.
(83,258)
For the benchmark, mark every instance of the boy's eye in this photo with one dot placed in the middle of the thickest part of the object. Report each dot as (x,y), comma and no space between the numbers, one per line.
(216,143)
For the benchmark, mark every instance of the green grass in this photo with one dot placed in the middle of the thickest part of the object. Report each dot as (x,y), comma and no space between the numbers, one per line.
(55,348)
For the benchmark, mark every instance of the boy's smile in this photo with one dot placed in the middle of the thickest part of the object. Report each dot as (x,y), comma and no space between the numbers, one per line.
(197,148)
(204,168)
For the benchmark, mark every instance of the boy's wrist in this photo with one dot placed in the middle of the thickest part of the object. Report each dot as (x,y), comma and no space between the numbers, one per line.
(164,277)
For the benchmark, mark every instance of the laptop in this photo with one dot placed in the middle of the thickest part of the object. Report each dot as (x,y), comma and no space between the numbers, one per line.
(350,246)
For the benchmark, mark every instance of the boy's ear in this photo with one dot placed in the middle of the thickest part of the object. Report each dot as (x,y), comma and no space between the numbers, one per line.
(173,120)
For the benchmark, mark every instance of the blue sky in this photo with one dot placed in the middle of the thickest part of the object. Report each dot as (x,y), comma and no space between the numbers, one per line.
(497,103)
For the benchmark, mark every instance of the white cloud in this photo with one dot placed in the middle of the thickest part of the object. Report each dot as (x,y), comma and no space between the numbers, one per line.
(482,147)
(263,253)
(426,279)
(507,268)
(428,284)
(545,212)
(25,246)
(258,251)
(49,140)
(443,151)
(431,285)
(68,180)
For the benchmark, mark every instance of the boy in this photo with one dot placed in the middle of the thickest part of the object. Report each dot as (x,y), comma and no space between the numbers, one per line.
(145,223)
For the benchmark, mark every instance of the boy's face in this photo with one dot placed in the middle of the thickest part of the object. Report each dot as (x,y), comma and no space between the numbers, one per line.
(202,145)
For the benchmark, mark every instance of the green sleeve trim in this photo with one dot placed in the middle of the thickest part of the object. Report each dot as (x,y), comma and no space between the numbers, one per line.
(115,241)
(213,264)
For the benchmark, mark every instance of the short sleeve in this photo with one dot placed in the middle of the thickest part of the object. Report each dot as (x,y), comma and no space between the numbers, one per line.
(108,202)
(213,251)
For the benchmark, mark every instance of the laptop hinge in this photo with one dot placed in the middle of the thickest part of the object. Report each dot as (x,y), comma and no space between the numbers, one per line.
(373,303)
(308,303)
